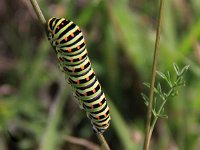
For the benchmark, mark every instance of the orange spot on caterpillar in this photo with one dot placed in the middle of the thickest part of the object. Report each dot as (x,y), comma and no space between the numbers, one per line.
(72,35)
(87,78)
(100,104)
(98,117)
(78,47)
(66,39)
(104,115)
(69,50)
(78,82)
(71,60)
(85,94)
(94,91)
(82,67)
(80,58)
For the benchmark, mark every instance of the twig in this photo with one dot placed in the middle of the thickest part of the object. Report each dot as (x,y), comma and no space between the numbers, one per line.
(103,142)
(39,13)
(82,142)
(149,111)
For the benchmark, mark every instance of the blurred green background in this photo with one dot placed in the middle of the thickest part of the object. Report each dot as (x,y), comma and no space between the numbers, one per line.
(37,107)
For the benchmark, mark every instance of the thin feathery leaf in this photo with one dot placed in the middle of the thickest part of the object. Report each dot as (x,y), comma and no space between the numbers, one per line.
(176,68)
(184,70)
(162,75)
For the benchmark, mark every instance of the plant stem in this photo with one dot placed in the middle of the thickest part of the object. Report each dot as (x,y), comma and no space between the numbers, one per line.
(149,111)
(155,119)
(39,13)
(159,111)
(103,142)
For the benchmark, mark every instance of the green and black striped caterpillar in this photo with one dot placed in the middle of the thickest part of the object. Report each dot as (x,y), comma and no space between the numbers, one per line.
(67,38)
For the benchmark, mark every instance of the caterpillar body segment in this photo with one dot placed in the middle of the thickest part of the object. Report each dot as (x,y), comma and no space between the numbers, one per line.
(71,51)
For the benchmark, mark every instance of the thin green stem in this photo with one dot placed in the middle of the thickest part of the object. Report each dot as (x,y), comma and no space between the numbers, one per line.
(159,111)
(156,118)
(103,142)
(149,111)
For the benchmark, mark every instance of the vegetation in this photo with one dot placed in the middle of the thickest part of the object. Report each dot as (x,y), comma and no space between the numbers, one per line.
(37,107)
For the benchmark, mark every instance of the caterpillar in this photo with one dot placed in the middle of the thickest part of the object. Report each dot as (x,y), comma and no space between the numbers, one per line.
(67,39)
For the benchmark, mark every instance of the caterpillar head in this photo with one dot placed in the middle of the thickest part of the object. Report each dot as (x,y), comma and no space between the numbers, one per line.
(51,24)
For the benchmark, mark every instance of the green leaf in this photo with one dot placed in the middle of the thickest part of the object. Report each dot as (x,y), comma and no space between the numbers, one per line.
(169,79)
(154,112)
(175,93)
(162,116)
(146,99)
(179,81)
(184,70)
(147,84)
(168,76)
(162,75)
(176,68)
(159,88)
(155,103)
